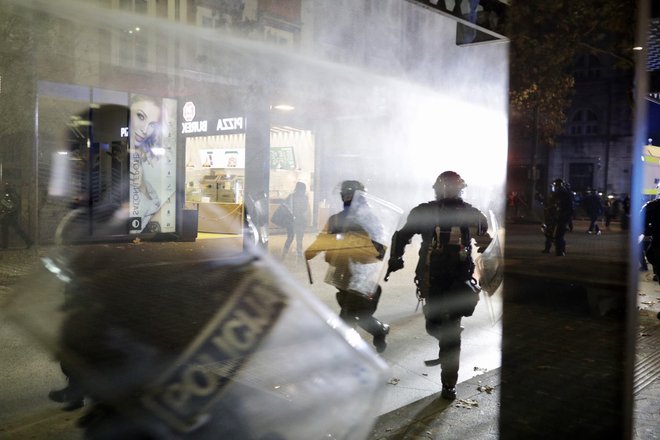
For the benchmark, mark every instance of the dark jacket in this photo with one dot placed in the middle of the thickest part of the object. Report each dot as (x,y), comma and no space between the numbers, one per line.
(446,213)
(593,205)
(299,205)
(559,207)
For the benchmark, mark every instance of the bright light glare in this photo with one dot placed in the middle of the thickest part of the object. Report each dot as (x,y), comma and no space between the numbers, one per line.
(455,135)
(353,338)
(284,107)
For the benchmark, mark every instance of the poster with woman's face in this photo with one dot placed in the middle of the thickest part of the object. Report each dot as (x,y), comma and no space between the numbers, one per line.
(152,164)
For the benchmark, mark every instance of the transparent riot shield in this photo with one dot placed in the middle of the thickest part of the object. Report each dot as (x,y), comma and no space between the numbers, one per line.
(196,340)
(489,269)
(356,253)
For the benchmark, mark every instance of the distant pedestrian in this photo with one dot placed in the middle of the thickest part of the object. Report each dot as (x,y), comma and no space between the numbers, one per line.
(616,207)
(594,207)
(298,205)
(9,216)
(558,216)
(608,210)
(256,218)
(516,202)
(625,214)
(574,203)
(445,269)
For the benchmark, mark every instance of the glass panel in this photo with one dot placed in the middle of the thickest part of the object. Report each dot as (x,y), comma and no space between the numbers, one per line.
(159,287)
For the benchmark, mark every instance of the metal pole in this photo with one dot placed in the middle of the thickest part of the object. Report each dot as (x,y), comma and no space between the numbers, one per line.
(639,139)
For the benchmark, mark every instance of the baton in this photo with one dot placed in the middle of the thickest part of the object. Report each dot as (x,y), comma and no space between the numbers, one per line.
(309,271)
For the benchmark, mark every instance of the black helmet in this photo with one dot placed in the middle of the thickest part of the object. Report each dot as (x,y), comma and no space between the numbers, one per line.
(348,188)
(449,184)
(557,184)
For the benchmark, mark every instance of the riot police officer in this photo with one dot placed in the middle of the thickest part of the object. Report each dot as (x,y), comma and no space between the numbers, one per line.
(558,216)
(352,260)
(444,273)
(651,244)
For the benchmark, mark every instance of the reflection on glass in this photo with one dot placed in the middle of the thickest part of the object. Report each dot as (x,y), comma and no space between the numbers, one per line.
(157,313)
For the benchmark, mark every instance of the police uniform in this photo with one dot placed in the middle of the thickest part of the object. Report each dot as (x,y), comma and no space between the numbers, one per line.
(558,216)
(352,257)
(444,270)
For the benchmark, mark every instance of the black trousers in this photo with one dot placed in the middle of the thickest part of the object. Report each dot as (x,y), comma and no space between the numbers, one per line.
(556,233)
(443,311)
(297,232)
(358,309)
(653,256)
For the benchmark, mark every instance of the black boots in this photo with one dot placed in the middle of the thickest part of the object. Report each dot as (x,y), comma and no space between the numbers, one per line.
(68,395)
(379,339)
(448,393)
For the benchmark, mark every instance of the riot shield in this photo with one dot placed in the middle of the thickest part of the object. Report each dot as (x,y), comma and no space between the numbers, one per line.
(356,254)
(197,341)
(489,269)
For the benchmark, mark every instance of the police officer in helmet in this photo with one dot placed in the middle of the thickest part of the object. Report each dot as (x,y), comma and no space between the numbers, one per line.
(349,262)
(444,272)
(558,217)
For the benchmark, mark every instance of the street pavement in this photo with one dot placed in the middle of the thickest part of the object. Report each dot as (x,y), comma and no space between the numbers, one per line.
(411,407)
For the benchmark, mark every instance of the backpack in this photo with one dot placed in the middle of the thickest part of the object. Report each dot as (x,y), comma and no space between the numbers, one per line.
(449,260)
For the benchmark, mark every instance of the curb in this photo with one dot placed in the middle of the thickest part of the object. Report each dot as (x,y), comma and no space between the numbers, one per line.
(476,410)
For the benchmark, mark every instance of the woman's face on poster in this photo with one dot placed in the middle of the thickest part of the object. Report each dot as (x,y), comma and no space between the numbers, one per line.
(145,118)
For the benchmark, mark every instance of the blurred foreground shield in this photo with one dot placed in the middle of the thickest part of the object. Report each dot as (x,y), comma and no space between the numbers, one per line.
(184,340)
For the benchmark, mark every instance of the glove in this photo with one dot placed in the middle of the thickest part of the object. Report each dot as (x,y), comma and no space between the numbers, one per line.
(380,248)
(393,264)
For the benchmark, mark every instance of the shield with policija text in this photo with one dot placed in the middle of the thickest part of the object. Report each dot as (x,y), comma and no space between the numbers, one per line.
(182,340)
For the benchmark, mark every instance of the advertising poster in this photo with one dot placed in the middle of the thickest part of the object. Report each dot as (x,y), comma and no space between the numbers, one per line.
(152,164)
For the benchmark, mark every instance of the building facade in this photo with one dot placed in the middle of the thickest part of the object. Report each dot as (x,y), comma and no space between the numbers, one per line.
(287,90)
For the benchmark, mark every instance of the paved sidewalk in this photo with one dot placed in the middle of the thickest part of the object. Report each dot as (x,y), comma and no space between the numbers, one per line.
(475,414)
(553,342)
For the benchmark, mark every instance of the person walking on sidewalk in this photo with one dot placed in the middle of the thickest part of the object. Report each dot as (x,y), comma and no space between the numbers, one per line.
(558,216)
(348,242)
(444,273)
(9,211)
(298,206)
(594,206)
